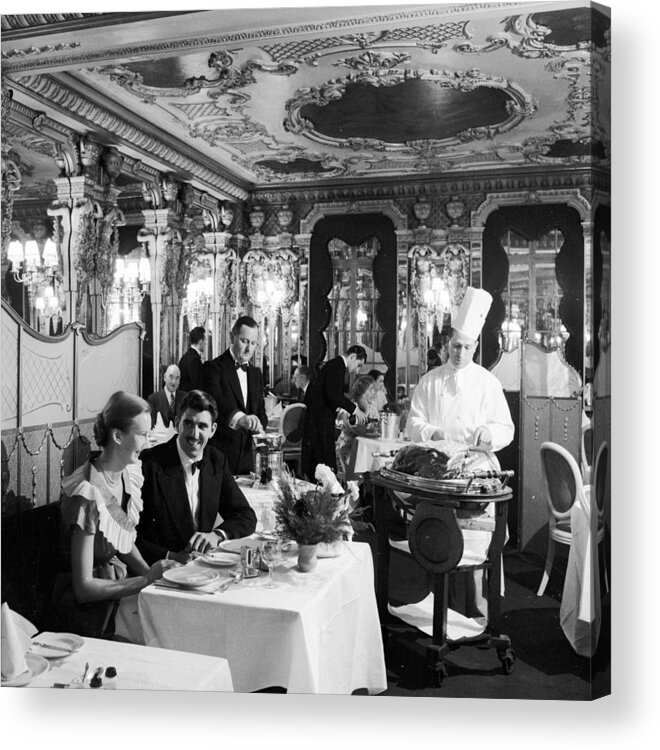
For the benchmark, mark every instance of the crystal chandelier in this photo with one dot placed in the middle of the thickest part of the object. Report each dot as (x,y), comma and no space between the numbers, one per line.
(130,284)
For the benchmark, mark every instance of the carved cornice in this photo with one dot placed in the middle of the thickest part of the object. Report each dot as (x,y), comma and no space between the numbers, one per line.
(123,131)
(582,180)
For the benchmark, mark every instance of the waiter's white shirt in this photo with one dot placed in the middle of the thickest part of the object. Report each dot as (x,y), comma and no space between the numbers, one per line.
(192,484)
(458,402)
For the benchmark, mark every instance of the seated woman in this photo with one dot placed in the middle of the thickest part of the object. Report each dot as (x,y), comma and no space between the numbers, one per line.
(382,396)
(100,509)
(363,393)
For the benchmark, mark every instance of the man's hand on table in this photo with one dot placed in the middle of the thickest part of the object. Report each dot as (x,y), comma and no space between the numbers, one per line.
(203,542)
(438,435)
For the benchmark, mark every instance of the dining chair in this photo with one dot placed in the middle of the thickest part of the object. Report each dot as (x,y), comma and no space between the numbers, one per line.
(564,484)
(600,490)
(291,426)
(586,452)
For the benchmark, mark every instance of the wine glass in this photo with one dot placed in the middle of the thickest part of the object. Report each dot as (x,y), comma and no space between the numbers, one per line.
(271,552)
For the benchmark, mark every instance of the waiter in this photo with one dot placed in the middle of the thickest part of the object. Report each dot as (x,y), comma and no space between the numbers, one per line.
(323,398)
(237,387)
(462,401)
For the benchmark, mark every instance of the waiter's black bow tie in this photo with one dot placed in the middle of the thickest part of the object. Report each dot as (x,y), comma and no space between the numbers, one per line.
(239,366)
(197,465)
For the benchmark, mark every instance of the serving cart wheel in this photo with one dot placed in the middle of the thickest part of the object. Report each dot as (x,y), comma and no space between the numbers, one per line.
(507,657)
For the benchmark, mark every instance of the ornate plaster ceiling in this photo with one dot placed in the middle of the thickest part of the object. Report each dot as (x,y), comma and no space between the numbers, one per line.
(236,100)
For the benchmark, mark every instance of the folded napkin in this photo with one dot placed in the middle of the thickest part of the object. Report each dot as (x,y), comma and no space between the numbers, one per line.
(160,433)
(16,635)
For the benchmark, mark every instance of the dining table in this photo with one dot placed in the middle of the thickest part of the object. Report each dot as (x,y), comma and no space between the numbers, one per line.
(315,632)
(370,454)
(137,667)
(262,497)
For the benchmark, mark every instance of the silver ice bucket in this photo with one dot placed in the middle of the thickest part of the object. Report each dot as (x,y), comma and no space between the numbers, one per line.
(389,426)
(266,457)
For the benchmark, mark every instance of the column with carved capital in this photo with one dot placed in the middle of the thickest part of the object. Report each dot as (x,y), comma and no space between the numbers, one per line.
(77,210)
(159,235)
(11,180)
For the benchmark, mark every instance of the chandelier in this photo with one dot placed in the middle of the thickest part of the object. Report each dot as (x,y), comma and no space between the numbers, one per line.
(31,266)
(198,299)
(130,284)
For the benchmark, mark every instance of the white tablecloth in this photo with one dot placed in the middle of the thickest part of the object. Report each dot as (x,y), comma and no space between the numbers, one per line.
(362,457)
(261,500)
(141,668)
(579,613)
(318,632)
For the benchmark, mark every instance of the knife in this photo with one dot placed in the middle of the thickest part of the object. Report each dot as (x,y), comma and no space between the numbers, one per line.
(171,587)
(52,646)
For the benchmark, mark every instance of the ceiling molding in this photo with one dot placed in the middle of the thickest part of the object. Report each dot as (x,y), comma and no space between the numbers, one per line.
(120,131)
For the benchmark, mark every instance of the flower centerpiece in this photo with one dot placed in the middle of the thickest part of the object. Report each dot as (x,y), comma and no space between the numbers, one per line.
(317,520)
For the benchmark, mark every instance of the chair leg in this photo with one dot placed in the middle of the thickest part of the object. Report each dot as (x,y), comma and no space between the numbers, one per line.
(603,554)
(548,566)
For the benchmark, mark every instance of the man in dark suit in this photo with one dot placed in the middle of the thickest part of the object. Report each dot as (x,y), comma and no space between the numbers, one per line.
(168,399)
(323,397)
(237,386)
(187,484)
(190,364)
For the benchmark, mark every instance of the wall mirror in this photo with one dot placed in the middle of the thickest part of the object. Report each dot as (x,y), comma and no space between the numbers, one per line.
(532,296)
(32,279)
(353,298)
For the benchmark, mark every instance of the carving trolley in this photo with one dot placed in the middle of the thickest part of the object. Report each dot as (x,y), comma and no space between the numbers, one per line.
(435,512)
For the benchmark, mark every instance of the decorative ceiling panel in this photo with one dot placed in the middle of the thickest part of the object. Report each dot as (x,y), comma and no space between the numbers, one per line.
(335,93)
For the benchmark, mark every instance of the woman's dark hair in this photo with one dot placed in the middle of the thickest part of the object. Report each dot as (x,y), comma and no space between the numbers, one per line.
(199,401)
(375,374)
(118,414)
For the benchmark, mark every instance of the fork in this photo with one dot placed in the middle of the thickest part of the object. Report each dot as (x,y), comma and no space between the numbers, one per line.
(227,584)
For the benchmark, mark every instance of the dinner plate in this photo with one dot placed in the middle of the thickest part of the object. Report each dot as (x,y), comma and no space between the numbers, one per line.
(62,645)
(220,559)
(36,665)
(191,576)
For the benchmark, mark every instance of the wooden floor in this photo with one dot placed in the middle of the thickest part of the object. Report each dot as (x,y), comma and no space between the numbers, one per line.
(546,666)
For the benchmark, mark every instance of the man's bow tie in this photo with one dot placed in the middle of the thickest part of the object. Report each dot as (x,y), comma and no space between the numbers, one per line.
(197,465)
(239,366)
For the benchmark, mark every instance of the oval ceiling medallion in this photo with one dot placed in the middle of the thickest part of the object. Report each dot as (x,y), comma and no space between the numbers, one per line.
(394,110)
(408,111)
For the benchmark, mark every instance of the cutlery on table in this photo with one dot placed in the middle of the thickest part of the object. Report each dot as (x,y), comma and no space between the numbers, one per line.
(53,646)
(227,584)
(174,587)
(80,681)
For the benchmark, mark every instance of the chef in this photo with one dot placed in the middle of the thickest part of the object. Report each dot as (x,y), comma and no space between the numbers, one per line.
(463,402)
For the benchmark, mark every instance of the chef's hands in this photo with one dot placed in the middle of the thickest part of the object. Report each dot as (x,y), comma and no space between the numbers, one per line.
(438,435)
(250,422)
(483,438)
